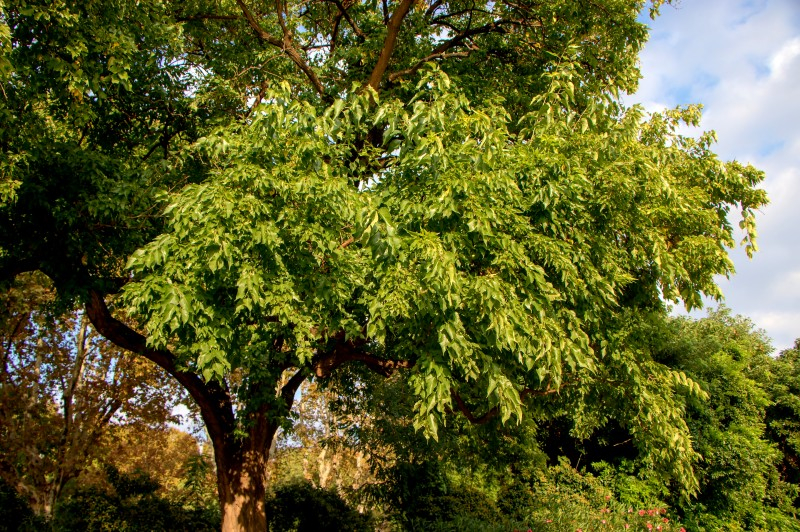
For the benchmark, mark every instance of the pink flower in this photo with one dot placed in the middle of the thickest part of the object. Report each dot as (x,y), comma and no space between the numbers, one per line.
(666,520)
(649,526)
(642,512)
(627,526)
(682,530)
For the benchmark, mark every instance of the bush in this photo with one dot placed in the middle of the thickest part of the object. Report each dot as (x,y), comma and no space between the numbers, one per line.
(300,507)
(15,514)
(129,505)
(421,496)
(563,498)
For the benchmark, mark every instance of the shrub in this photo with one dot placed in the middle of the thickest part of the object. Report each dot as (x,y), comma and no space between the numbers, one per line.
(300,507)
(130,504)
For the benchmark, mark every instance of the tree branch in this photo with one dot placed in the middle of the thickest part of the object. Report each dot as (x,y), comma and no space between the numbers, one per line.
(433,7)
(349,19)
(190,18)
(289,390)
(350,351)
(462,407)
(284,44)
(214,402)
(492,412)
(442,51)
(389,43)
(408,71)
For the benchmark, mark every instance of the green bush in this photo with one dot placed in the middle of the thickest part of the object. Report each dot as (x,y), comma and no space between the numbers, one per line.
(421,496)
(300,507)
(130,504)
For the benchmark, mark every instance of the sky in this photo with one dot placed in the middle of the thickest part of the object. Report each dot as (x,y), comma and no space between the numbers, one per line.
(741,60)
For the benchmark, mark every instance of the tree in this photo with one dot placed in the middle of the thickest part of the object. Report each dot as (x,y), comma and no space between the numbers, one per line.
(63,390)
(783,415)
(451,190)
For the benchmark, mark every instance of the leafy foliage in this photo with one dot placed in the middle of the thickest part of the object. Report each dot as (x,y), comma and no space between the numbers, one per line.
(783,414)
(740,483)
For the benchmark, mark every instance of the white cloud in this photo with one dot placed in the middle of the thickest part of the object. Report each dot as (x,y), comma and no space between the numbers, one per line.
(781,324)
(784,57)
(741,59)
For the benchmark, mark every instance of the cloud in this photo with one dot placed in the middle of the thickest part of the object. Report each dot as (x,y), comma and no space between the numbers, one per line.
(741,60)
(784,57)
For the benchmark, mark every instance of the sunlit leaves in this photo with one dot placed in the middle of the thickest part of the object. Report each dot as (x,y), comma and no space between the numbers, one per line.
(490,259)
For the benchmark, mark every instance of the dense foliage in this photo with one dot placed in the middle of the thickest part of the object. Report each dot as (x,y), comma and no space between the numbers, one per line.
(302,507)
(129,503)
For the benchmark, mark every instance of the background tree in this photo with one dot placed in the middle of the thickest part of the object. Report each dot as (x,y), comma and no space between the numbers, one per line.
(63,392)
(481,224)
(783,415)
(744,483)
(738,473)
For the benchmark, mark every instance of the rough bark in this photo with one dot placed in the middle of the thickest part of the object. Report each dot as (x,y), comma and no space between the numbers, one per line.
(242,484)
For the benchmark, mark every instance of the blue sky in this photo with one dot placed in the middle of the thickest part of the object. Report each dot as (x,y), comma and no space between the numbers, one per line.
(741,60)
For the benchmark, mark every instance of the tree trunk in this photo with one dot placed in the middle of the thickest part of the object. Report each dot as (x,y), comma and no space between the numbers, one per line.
(242,480)
(242,489)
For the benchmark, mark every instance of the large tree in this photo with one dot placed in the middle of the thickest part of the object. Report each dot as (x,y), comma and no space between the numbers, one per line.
(448,189)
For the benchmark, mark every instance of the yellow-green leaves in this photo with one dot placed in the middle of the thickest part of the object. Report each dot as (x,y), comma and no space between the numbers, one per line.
(5,47)
(497,262)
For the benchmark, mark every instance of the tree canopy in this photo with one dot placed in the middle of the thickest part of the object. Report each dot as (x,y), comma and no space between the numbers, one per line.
(453,190)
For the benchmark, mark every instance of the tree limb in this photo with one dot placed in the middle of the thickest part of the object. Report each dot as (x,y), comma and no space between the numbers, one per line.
(214,402)
(389,43)
(350,351)
(284,44)
(289,389)
(408,71)
(190,18)
(349,19)
(492,412)
(442,51)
